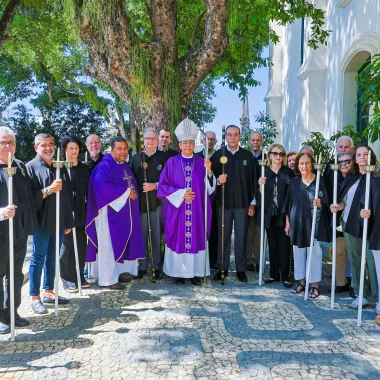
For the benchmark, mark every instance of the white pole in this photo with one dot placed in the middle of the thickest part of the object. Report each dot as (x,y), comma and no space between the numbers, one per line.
(262,226)
(312,237)
(11,261)
(334,241)
(364,250)
(57,220)
(206,203)
(75,245)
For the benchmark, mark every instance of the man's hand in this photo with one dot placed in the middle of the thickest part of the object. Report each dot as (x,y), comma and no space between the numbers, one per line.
(317,202)
(189,196)
(9,211)
(222,178)
(208,165)
(67,231)
(365,214)
(133,195)
(251,210)
(148,187)
(56,186)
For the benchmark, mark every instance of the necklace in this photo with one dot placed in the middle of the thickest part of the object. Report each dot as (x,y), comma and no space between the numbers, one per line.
(187,171)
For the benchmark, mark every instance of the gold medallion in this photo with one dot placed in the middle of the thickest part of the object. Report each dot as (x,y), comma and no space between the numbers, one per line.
(223,159)
(144,165)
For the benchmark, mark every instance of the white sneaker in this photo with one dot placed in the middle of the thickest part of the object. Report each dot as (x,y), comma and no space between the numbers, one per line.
(377,309)
(355,303)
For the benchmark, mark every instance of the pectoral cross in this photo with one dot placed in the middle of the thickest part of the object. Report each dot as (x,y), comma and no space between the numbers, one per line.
(129,179)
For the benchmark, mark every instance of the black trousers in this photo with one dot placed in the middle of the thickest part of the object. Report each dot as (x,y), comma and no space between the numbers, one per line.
(20,246)
(213,241)
(67,255)
(279,246)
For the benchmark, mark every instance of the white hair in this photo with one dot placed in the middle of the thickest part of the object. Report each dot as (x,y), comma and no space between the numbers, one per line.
(151,129)
(345,138)
(6,131)
(307,147)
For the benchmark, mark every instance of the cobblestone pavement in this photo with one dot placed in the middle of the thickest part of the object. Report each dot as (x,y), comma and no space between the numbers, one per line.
(166,331)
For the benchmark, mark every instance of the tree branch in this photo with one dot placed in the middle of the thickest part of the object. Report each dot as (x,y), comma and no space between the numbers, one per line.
(6,20)
(195,30)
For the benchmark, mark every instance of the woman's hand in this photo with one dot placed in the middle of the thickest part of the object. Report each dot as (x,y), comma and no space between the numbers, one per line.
(262,180)
(365,214)
(317,202)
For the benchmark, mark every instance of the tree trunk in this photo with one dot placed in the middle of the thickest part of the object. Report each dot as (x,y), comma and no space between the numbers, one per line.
(6,20)
(132,128)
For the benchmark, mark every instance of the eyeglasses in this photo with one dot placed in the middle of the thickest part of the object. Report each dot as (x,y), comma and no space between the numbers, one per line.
(150,138)
(10,143)
(345,162)
(276,154)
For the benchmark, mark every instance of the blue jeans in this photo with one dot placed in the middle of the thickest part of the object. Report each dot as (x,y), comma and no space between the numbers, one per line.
(43,256)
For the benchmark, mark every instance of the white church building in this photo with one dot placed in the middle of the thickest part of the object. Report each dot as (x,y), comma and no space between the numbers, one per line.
(315,90)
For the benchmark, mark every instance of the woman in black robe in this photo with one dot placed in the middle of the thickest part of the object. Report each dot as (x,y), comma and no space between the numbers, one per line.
(79,178)
(298,208)
(276,180)
(374,224)
(349,197)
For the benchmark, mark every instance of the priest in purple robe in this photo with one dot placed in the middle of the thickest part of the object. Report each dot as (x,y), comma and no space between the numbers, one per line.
(182,186)
(113,226)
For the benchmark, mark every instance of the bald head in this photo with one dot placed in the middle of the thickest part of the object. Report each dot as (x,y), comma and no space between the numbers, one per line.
(211,136)
(94,146)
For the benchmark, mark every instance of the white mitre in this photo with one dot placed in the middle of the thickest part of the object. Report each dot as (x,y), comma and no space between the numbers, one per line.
(186,130)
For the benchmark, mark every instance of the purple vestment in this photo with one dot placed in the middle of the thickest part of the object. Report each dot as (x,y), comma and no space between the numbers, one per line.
(108,182)
(185,225)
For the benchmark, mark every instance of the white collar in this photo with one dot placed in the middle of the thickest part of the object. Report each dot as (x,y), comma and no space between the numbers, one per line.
(150,154)
(233,151)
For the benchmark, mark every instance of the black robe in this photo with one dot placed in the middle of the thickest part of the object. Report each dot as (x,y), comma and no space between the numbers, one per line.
(297,207)
(374,222)
(41,176)
(171,152)
(156,163)
(92,164)
(80,176)
(354,225)
(25,220)
(242,177)
(284,176)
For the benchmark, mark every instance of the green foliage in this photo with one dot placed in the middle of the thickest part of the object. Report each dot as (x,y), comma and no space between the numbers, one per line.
(201,109)
(325,148)
(369,81)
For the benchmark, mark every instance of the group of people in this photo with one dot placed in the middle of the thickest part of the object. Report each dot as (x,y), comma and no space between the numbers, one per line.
(120,208)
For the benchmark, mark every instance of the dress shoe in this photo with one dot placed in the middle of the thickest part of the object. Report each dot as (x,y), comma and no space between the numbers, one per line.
(4,328)
(117,286)
(180,281)
(141,273)
(218,275)
(159,274)
(51,300)
(125,277)
(352,293)
(19,321)
(38,307)
(69,286)
(250,267)
(242,276)
(196,281)
(85,284)
(344,288)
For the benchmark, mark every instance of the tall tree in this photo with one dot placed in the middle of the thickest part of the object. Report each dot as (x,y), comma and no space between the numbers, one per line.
(6,19)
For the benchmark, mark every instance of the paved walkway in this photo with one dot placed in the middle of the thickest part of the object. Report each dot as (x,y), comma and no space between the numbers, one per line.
(164,331)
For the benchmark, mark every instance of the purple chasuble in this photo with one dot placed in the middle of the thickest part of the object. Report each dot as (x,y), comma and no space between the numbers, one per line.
(185,225)
(108,182)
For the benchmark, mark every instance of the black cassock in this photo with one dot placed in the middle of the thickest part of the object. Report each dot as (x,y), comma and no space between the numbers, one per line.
(92,164)
(241,185)
(41,176)
(156,163)
(283,177)
(374,222)
(297,207)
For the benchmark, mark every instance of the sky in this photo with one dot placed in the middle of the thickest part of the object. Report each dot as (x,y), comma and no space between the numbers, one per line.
(228,104)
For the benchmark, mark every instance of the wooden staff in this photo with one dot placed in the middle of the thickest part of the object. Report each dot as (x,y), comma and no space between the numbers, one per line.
(223,161)
(318,167)
(69,165)
(206,208)
(58,165)
(263,163)
(335,167)
(144,166)
(11,171)
(368,169)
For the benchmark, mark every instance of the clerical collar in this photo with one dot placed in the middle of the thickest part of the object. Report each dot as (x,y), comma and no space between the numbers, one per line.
(187,157)
(150,154)
(209,155)
(159,148)
(256,156)
(233,151)
(119,163)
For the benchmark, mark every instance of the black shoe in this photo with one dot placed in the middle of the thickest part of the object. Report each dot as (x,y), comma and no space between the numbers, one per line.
(61,300)
(141,273)
(218,275)
(4,328)
(180,281)
(196,281)
(125,277)
(85,284)
(352,293)
(69,286)
(242,276)
(344,288)
(159,274)
(19,321)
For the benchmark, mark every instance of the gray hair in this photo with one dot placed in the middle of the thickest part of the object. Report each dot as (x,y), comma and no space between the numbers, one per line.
(345,154)
(307,147)
(6,131)
(345,138)
(42,136)
(151,129)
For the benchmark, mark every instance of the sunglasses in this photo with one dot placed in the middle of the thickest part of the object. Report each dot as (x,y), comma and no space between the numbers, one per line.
(276,154)
(346,162)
